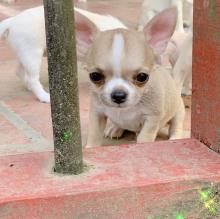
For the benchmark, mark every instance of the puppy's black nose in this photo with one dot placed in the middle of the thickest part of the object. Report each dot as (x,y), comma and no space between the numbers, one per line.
(118,97)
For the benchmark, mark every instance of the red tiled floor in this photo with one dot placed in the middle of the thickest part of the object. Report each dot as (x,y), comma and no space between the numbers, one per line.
(36,114)
(9,134)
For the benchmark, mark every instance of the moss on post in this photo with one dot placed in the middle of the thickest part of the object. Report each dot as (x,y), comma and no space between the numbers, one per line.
(63,83)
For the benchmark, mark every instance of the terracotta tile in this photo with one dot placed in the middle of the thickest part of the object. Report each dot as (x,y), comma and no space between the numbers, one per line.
(9,134)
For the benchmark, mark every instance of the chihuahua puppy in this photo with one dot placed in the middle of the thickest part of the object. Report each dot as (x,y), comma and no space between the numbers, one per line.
(128,87)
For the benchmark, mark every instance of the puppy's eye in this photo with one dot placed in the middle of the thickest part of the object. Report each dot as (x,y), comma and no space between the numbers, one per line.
(142,78)
(96,77)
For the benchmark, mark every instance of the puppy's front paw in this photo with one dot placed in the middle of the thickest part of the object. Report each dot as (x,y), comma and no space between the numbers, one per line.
(113,131)
(177,135)
(145,138)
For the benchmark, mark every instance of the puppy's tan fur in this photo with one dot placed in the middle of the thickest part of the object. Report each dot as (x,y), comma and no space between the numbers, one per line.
(149,106)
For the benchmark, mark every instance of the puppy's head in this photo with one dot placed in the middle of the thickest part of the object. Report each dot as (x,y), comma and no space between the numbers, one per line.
(120,61)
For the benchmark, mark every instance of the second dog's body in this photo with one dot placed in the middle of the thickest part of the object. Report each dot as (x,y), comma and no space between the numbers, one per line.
(181,61)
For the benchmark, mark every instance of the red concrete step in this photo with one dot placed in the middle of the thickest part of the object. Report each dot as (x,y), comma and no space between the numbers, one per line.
(160,179)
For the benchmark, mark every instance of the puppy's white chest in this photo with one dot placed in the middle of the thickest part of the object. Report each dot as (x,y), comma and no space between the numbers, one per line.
(129,119)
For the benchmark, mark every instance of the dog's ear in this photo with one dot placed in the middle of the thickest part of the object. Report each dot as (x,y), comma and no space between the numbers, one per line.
(159,30)
(85,31)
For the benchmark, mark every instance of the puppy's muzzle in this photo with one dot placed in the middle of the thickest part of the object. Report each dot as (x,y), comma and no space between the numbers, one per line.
(118,97)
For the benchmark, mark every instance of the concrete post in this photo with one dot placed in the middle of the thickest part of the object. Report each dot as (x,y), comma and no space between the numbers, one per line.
(63,83)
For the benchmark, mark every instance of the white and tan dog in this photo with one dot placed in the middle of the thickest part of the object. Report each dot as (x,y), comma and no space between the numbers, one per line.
(25,33)
(128,87)
(181,61)
(150,8)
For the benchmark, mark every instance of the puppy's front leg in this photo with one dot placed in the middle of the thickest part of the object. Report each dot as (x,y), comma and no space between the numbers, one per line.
(176,125)
(97,125)
(149,130)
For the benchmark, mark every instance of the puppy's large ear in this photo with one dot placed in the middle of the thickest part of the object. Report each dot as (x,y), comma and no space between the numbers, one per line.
(159,30)
(85,33)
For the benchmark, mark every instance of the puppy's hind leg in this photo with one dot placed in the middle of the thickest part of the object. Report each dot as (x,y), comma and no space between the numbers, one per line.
(29,70)
(176,124)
